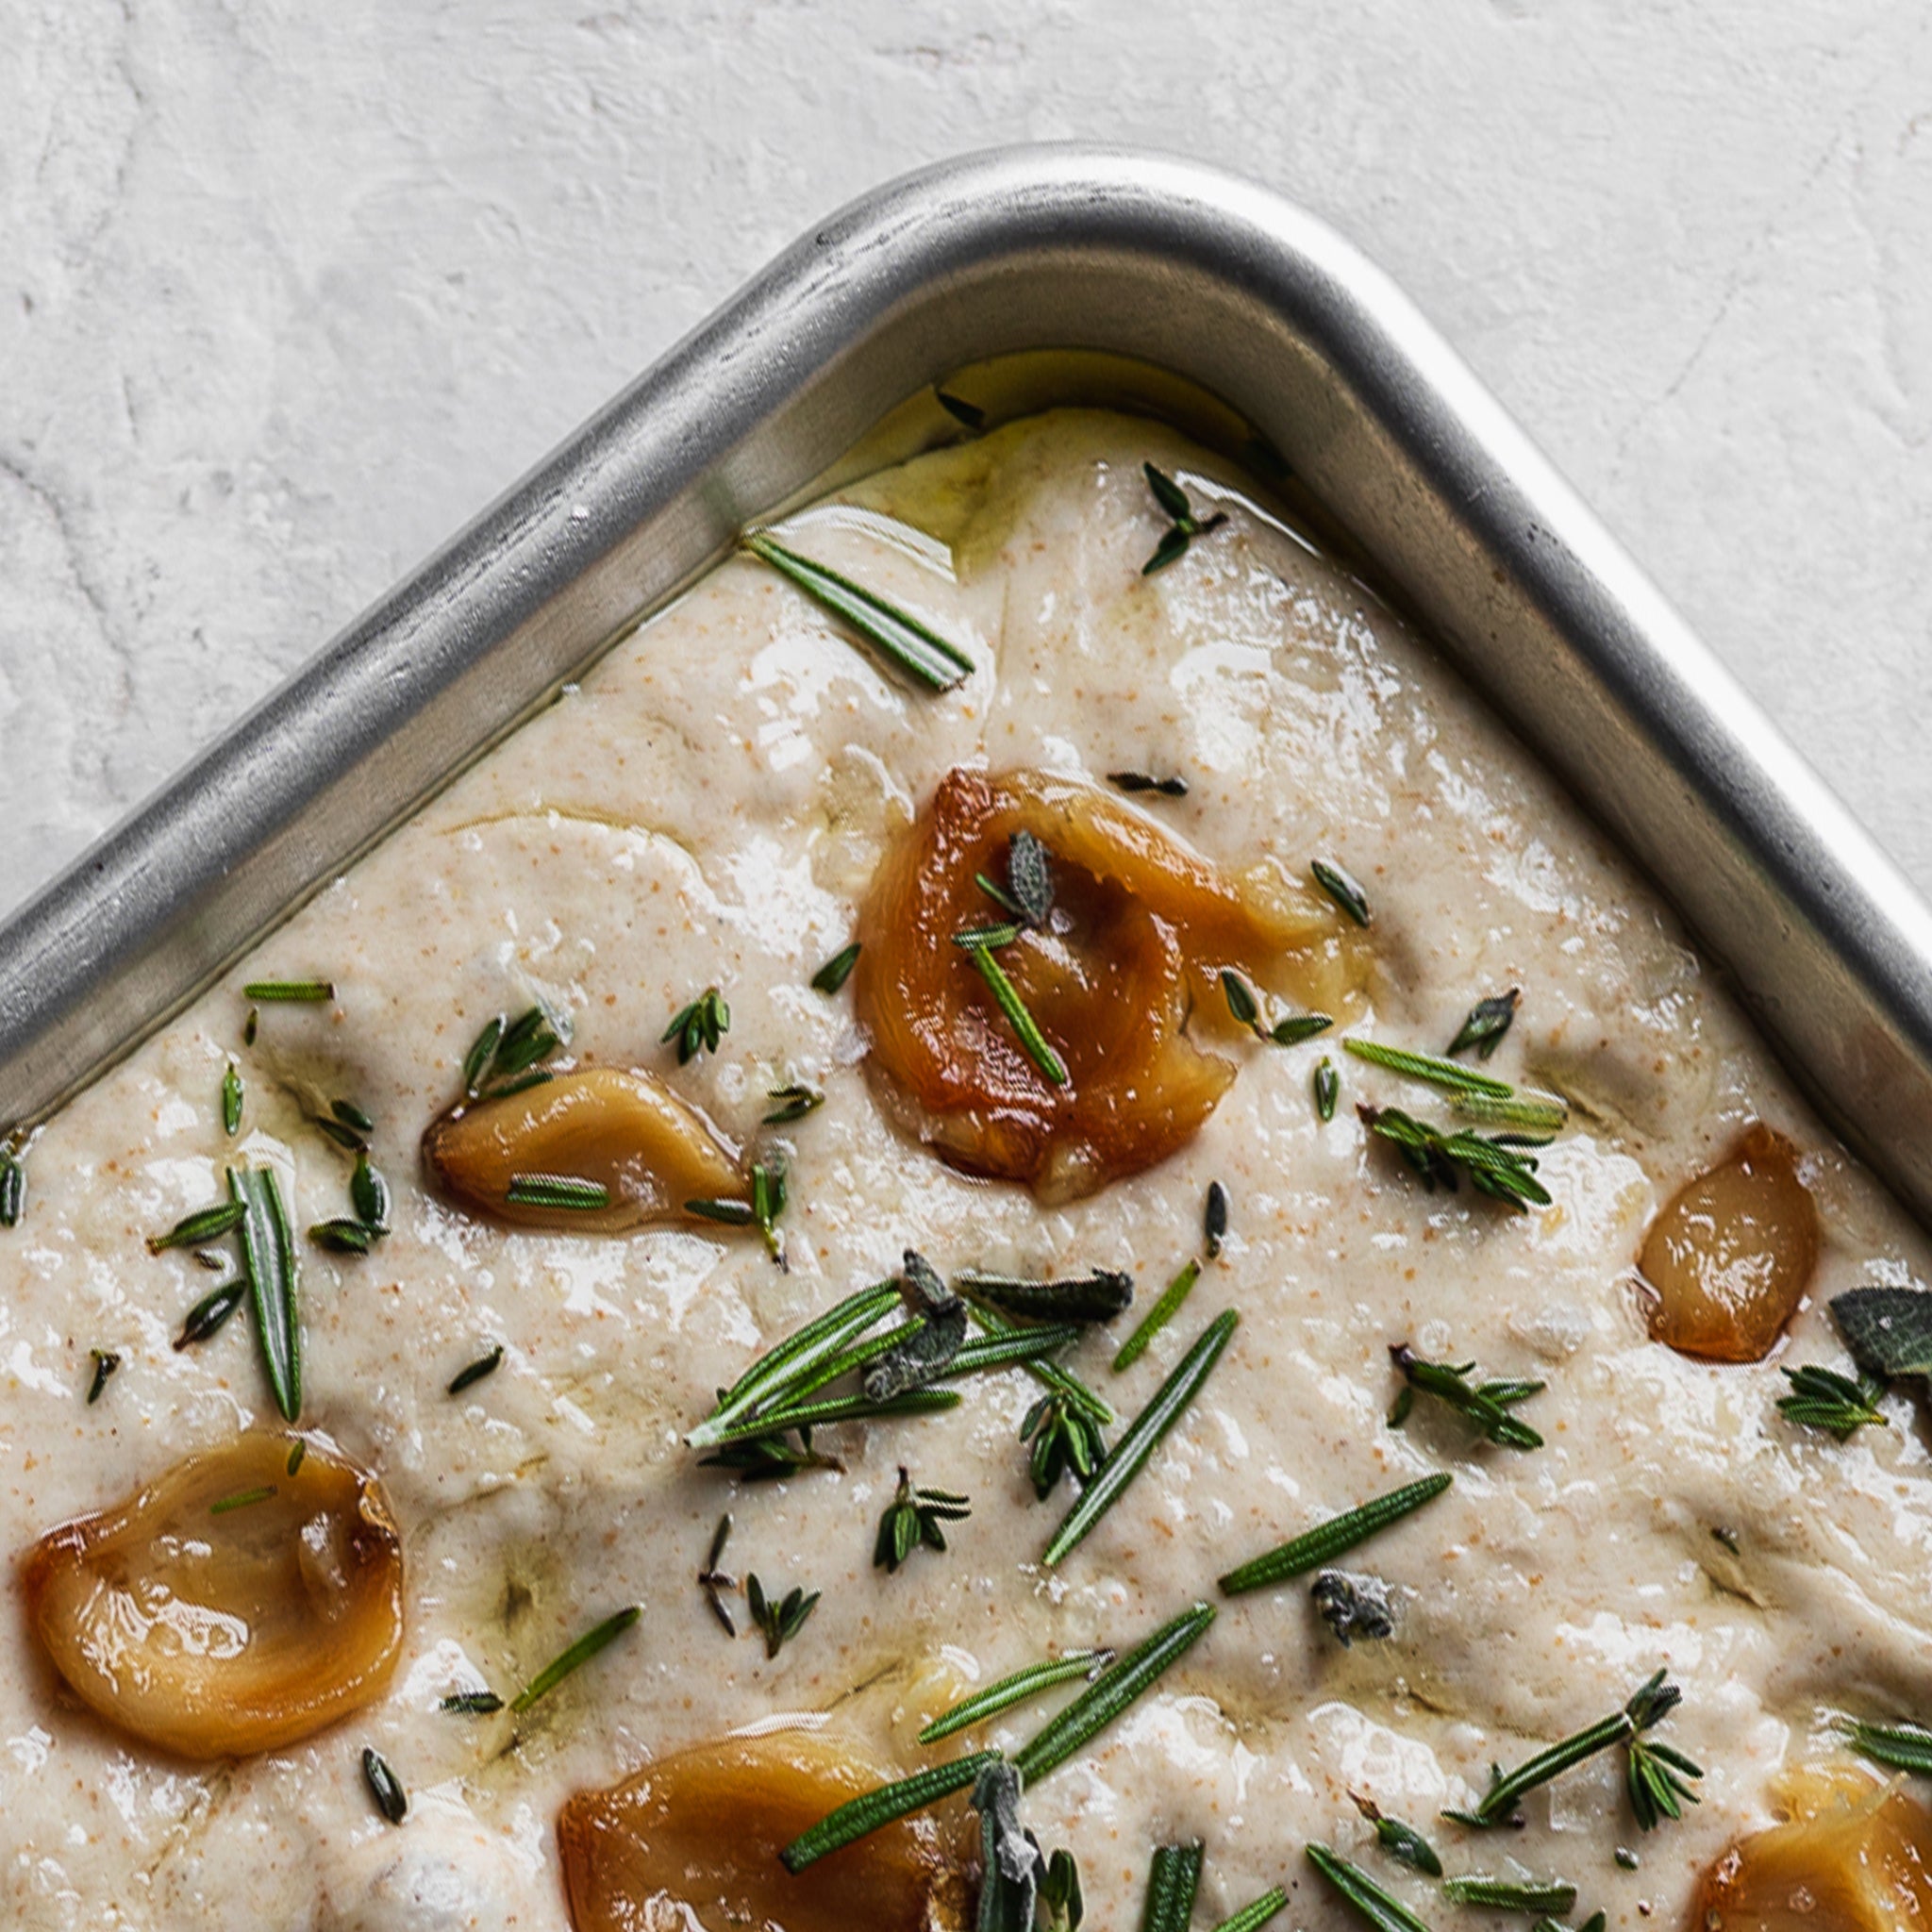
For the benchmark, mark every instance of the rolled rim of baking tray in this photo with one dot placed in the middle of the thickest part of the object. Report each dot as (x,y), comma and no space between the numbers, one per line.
(1062,247)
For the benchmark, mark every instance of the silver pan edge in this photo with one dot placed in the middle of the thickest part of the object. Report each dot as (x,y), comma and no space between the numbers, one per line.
(1020,249)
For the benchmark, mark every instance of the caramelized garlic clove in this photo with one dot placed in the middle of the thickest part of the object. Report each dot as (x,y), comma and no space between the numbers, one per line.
(1731,1256)
(694,1840)
(620,1130)
(1853,1857)
(1123,980)
(230,1607)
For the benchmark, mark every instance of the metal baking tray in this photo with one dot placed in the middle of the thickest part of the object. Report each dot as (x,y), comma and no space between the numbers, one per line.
(1028,249)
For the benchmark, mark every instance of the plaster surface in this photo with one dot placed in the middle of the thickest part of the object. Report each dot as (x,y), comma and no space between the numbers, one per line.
(286,292)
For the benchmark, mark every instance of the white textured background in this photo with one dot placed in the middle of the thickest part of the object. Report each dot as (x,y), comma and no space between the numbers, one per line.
(288,290)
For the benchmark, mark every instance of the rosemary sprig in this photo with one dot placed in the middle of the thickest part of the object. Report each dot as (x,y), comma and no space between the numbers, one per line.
(484,1365)
(1143,1435)
(1183,525)
(1822,1399)
(1098,1295)
(1256,1912)
(574,1657)
(1131,782)
(699,1026)
(1030,1347)
(837,970)
(822,1413)
(569,1193)
(1488,1021)
(206,1316)
(903,639)
(1381,1909)
(1509,1894)
(1121,1684)
(1318,1547)
(289,991)
(1655,1775)
(861,1816)
(268,1262)
(1492,1168)
(1173,1881)
(1014,1008)
(507,1055)
(1016,1689)
(1246,1009)
(1215,1220)
(1327,1086)
(794,1102)
(104,1362)
(913,1519)
(1452,1076)
(715,1583)
(1485,1404)
(204,1224)
(1403,1842)
(1161,1313)
(384,1787)
(780,1618)
(1343,887)
(1901,1746)
(231,1100)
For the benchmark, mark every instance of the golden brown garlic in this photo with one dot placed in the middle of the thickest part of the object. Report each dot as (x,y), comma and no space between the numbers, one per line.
(695,1839)
(230,1607)
(1853,1857)
(1731,1256)
(1123,979)
(624,1131)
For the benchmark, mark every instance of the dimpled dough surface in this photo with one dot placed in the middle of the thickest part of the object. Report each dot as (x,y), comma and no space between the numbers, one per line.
(707,808)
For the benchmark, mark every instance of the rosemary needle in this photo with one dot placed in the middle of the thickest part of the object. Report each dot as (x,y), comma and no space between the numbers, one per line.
(1321,1545)
(1143,1436)
(1381,1909)
(1016,1689)
(1163,1312)
(1173,1882)
(859,1817)
(580,1653)
(1899,1746)
(1014,1008)
(1253,1916)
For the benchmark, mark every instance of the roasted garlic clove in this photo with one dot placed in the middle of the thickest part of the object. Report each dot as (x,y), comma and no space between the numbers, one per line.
(1731,1256)
(604,1128)
(230,1607)
(1122,978)
(694,1841)
(1853,1857)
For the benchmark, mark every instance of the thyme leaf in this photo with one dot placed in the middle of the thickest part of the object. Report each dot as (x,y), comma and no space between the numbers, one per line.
(837,970)
(104,1362)
(795,1103)
(1488,1021)
(204,1224)
(1063,1439)
(1327,1083)
(471,1702)
(1214,1219)
(231,1100)
(1343,888)
(13,1187)
(780,1618)
(1403,1842)
(384,1787)
(1485,1404)
(1131,782)
(211,1311)
(905,642)
(486,1364)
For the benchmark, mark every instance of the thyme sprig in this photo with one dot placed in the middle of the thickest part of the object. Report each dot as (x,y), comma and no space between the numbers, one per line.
(1246,1009)
(715,1582)
(915,1519)
(698,1026)
(1016,1689)
(1318,1547)
(1823,1399)
(1656,1775)
(1442,1159)
(1486,1022)
(1143,1435)
(507,1055)
(779,1618)
(905,642)
(1485,1404)
(1183,525)
(1063,1439)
